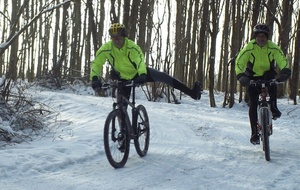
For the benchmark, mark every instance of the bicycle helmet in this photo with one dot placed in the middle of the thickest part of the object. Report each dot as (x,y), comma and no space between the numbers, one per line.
(117,29)
(261,28)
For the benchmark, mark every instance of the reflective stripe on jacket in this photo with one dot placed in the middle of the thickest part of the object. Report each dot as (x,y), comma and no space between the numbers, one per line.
(256,60)
(128,61)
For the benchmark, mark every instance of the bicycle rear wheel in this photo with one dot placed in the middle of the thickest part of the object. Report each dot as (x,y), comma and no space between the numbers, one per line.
(141,141)
(116,140)
(265,133)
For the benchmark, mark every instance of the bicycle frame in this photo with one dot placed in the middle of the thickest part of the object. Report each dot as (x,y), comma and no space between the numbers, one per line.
(119,130)
(122,102)
(264,104)
(264,114)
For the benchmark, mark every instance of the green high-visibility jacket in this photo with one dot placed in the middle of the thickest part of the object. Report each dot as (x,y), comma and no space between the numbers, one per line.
(128,61)
(257,60)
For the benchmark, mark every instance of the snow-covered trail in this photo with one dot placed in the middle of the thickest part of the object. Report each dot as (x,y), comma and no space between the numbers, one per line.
(192,146)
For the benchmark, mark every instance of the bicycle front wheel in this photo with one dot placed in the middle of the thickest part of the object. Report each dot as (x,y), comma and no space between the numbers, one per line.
(116,140)
(141,141)
(265,133)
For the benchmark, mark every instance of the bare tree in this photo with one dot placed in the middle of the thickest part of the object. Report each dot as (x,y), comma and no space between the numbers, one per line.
(193,55)
(150,26)
(13,60)
(255,12)
(141,38)
(75,59)
(285,30)
(271,14)
(223,66)
(56,43)
(133,19)
(179,60)
(63,41)
(202,41)
(14,34)
(235,41)
(187,49)
(126,10)
(4,24)
(100,26)
(214,29)
(294,86)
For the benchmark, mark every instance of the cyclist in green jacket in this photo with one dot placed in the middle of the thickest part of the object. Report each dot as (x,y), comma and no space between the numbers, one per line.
(258,61)
(127,61)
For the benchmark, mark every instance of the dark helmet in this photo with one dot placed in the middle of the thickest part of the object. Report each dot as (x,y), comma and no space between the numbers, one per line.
(117,29)
(261,28)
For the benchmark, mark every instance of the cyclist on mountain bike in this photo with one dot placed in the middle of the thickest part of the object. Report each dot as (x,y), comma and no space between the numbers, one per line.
(127,61)
(257,61)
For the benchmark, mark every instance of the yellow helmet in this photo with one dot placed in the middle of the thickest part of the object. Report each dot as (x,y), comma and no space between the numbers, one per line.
(117,29)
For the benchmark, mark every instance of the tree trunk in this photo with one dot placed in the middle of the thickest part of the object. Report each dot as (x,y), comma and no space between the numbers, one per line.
(75,60)
(63,40)
(256,11)
(271,11)
(202,42)
(285,34)
(46,50)
(13,60)
(235,41)
(179,40)
(193,58)
(149,30)
(126,10)
(56,44)
(133,19)
(294,82)
(225,44)
(141,41)
(215,4)
(4,34)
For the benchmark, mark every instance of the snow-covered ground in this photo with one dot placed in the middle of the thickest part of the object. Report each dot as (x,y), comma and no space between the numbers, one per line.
(192,146)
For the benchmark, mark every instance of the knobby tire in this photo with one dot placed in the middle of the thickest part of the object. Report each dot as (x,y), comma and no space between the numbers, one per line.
(114,135)
(265,133)
(141,141)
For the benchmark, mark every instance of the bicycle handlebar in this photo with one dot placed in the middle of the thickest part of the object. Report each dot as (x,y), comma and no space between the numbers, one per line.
(118,84)
(265,82)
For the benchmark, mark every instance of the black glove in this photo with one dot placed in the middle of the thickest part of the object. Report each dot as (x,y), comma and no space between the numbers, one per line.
(141,79)
(96,84)
(244,79)
(284,75)
(271,74)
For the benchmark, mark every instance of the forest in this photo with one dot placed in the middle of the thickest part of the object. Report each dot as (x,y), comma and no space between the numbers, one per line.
(188,39)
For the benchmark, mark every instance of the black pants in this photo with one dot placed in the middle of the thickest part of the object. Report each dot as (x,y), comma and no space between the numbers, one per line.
(154,75)
(254,92)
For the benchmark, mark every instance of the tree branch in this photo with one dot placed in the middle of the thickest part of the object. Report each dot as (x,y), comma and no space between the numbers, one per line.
(275,18)
(13,37)
(5,16)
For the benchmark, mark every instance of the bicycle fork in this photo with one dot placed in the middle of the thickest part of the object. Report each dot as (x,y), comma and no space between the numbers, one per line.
(262,109)
(134,121)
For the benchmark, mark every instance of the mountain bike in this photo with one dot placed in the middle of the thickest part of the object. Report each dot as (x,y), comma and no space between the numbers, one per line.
(264,124)
(119,130)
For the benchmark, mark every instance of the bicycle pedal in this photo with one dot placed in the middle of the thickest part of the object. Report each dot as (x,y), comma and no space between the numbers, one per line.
(256,143)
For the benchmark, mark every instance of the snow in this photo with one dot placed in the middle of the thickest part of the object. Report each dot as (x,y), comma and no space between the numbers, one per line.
(192,146)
